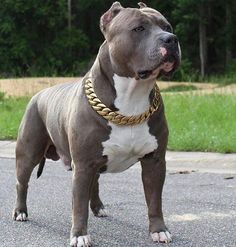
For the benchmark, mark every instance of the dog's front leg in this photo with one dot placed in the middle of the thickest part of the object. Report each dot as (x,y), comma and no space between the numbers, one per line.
(153,176)
(82,183)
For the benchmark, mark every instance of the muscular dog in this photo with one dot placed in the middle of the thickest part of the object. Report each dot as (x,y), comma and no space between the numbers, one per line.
(107,122)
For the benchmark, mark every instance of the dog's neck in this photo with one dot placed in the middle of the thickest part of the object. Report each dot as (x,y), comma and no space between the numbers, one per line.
(132,95)
(102,66)
(126,94)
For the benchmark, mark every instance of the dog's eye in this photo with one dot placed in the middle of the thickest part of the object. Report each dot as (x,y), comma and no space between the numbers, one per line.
(139,29)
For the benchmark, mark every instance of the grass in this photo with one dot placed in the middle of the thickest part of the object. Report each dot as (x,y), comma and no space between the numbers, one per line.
(201,122)
(11,112)
(223,80)
(196,122)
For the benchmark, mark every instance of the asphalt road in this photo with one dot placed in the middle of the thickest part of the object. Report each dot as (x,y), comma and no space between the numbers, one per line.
(200,209)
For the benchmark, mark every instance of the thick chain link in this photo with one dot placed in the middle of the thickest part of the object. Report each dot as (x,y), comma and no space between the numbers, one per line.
(116,117)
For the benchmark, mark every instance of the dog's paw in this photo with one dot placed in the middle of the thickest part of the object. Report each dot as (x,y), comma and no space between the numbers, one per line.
(82,241)
(19,216)
(161,237)
(101,213)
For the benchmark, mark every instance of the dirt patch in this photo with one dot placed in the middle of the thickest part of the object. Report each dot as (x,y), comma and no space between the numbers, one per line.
(30,86)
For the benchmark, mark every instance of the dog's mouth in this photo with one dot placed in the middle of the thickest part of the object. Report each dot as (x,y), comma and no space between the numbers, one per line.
(166,67)
(163,69)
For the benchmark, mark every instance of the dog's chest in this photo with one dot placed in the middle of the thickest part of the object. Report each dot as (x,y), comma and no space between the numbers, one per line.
(126,144)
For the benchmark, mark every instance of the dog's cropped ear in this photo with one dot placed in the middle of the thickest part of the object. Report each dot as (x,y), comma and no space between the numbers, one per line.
(142,5)
(109,15)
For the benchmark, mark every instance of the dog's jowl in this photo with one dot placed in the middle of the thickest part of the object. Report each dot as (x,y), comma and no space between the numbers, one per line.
(107,122)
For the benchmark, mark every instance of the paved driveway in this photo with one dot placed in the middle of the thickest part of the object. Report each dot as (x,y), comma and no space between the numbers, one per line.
(200,207)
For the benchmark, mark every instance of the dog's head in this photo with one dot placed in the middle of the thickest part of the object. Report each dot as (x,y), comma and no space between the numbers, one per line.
(141,42)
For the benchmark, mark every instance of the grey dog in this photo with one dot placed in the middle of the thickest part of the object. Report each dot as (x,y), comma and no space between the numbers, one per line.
(61,121)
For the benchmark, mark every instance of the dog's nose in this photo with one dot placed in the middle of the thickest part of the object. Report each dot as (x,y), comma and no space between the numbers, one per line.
(169,38)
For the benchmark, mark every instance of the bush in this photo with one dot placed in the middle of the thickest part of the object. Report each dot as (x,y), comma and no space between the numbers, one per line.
(186,72)
(2,96)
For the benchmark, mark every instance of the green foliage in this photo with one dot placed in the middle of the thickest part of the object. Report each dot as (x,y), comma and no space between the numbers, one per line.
(228,77)
(231,68)
(35,40)
(2,96)
(12,110)
(186,16)
(201,122)
(186,72)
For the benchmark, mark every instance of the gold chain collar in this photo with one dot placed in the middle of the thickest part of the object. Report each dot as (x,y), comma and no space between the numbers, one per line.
(116,117)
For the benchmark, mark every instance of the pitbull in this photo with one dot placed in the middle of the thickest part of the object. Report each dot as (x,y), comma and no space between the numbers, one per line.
(62,121)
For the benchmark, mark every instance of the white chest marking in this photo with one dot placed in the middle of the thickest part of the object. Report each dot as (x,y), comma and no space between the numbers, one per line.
(126,144)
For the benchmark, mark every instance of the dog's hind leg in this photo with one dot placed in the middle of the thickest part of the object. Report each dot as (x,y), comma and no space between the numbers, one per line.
(96,204)
(30,148)
(24,168)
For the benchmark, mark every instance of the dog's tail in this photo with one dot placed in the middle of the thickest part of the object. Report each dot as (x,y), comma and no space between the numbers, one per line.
(41,166)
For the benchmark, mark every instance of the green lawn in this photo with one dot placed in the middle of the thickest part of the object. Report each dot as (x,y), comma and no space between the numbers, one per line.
(11,112)
(196,122)
(201,122)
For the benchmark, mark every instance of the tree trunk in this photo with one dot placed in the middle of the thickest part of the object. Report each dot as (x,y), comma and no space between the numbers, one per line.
(228,22)
(69,14)
(202,39)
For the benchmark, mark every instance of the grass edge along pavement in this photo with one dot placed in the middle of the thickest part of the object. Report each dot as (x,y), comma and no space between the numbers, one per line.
(196,122)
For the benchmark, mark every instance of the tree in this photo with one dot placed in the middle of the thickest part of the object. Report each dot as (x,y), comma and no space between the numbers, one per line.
(69,14)
(61,37)
(202,38)
(34,39)
(228,23)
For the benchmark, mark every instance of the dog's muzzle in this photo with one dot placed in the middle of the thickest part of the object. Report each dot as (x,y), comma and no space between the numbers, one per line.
(165,56)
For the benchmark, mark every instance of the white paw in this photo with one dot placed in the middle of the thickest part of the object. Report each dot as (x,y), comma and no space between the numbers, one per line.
(82,241)
(21,217)
(102,213)
(161,237)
